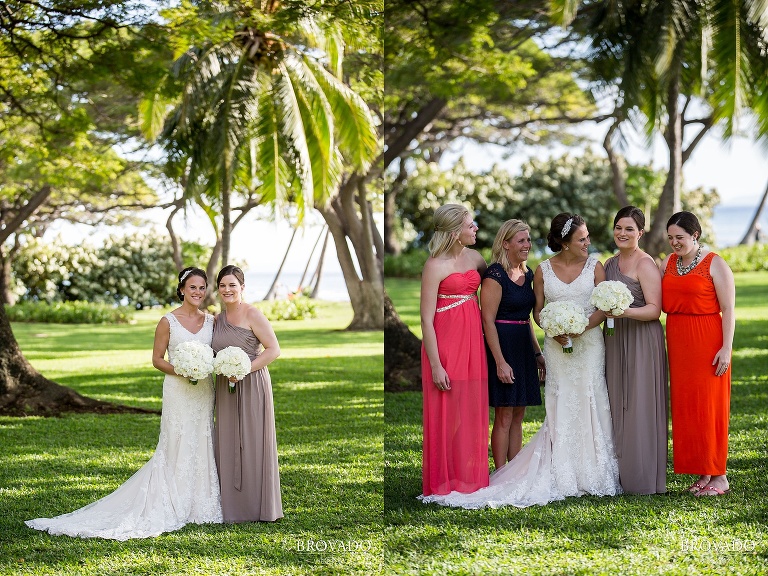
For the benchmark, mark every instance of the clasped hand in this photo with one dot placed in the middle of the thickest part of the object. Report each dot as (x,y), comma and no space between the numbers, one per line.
(562,339)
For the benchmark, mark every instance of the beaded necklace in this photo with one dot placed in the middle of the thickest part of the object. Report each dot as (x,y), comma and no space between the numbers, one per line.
(683,270)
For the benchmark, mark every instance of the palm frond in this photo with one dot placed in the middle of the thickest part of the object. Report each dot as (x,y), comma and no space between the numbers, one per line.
(153,111)
(563,12)
(318,119)
(731,67)
(271,168)
(757,14)
(357,136)
(291,124)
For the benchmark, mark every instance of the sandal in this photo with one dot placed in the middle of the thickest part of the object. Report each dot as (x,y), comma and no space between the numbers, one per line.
(696,487)
(712,491)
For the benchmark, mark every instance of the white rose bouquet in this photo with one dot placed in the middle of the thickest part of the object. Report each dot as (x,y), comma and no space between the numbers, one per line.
(232,362)
(611,296)
(193,360)
(563,317)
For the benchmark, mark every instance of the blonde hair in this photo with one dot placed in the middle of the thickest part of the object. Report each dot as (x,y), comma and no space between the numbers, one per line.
(505,234)
(448,220)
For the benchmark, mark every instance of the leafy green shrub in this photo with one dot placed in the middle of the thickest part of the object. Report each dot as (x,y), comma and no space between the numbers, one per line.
(134,269)
(77,312)
(746,258)
(298,308)
(405,265)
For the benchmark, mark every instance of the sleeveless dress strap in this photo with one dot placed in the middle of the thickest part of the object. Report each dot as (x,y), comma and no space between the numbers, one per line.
(590,263)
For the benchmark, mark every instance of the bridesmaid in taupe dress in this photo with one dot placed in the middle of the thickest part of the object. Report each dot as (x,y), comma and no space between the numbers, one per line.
(636,363)
(245,442)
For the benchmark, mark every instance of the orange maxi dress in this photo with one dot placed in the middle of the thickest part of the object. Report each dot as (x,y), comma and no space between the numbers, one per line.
(700,401)
(455,437)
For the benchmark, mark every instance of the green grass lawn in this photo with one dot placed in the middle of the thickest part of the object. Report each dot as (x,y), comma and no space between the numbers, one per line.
(327,389)
(674,533)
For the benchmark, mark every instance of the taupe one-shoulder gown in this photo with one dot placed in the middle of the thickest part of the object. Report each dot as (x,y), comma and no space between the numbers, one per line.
(636,375)
(245,443)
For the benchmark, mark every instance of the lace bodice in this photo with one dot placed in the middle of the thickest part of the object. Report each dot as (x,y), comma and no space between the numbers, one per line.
(579,291)
(180,334)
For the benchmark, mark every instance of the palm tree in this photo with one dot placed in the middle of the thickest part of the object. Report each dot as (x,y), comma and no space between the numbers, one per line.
(263,108)
(668,59)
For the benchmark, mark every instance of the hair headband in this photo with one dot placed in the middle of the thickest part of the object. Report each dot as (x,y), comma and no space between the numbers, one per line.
(566,228)
(183,276)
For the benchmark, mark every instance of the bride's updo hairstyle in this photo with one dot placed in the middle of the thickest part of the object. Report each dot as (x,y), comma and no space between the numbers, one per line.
(562,228)
(448,220)
(231,269)
(185,275)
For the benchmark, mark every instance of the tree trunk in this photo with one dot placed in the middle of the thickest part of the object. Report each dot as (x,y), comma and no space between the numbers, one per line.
(391,245)
(273,288)
(402,352)
(226,208)
(300,286)
(750,237)
(25,392)
(348,216)
(210,271)
(669,202)
(315,280)
(6,296)
(617,172)
(175,245)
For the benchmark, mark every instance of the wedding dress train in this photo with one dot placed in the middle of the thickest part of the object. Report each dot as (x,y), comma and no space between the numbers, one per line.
(179,485)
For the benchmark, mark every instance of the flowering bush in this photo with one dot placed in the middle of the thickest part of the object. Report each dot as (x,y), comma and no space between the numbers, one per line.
(232,362)
(563,317)
(298,308)
(193,360)
(611,296)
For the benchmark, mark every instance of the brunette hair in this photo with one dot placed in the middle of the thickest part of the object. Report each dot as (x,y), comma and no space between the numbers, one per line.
(563,222)
(448,220)
(631,212)
(687,221)
(506,233)
(185,275)
(234,271)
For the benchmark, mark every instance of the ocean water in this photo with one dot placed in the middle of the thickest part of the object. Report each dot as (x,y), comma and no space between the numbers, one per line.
(332,286)
(730,224)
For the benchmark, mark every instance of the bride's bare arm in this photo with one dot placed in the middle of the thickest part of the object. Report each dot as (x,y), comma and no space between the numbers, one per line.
(162,337)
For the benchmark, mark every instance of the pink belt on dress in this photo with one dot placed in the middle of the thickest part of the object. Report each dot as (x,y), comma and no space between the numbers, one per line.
(512,321)
(460,299)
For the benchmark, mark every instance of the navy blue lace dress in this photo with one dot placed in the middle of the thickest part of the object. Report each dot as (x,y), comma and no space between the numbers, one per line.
(513,327)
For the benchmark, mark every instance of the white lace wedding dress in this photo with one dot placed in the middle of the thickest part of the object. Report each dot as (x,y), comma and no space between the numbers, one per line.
(572,453)
(179,485)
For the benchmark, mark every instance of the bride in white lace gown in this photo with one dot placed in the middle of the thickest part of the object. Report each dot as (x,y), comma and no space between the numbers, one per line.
(572,453)
(179,485)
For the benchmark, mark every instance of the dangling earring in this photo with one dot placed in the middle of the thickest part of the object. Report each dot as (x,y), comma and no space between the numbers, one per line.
(566,247)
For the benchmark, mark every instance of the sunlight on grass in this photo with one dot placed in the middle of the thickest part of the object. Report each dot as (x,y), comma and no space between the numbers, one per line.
(329,410)
(673,533)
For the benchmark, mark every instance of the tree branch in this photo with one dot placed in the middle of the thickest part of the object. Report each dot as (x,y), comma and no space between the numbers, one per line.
(707,123)
(25,212)
(410,130)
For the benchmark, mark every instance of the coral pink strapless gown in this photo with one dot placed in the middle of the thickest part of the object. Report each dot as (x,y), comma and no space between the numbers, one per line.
(455,447)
